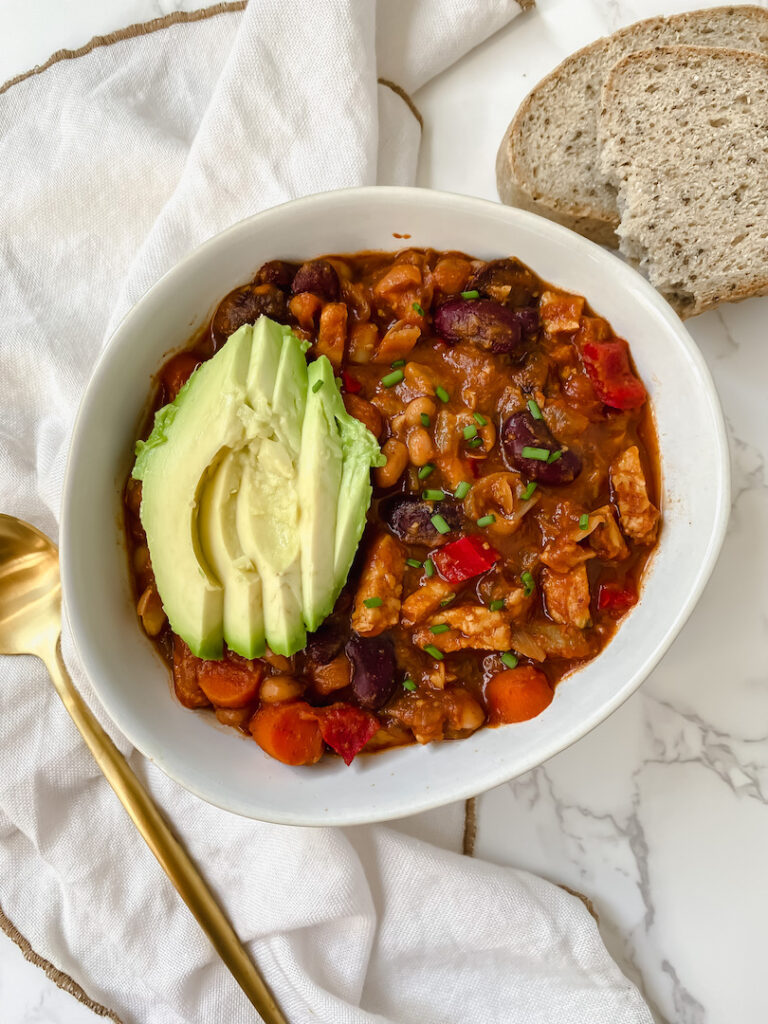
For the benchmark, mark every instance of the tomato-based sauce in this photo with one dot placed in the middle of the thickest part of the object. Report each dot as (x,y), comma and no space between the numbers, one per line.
(509,528)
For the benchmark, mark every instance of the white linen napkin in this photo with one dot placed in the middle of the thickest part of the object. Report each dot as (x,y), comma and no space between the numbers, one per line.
(114,166)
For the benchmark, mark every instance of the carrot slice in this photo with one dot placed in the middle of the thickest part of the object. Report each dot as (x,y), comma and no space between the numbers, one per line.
(228,684)
(517,695)
(288,732)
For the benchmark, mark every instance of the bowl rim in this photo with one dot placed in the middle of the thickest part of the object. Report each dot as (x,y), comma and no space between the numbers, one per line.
(418,800)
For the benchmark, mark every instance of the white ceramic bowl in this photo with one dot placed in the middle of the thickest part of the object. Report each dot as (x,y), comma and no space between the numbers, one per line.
(122,664)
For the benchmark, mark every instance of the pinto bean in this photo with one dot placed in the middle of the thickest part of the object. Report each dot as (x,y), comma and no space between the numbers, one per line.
(420,446)
(397,460)
(275,689)
(417,408)
(305,308)
(363,340)
(318,277)
(332,333)
(481,321)
(244,306)
(522,431)
(150,610)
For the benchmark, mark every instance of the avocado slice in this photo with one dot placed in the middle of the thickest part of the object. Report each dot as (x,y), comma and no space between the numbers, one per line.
(320,469)
(256,484)
(268,505)
(243,608)
(190,435)
(360,451)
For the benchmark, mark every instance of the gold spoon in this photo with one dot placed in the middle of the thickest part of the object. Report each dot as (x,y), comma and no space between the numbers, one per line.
(30,623)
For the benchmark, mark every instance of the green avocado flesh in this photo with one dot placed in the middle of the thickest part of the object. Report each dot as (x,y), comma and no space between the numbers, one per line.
(255,488)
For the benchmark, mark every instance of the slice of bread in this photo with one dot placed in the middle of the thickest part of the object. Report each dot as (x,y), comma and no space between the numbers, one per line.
(548,159)
(684,139)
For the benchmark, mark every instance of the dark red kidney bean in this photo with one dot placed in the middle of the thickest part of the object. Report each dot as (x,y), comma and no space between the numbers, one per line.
(373,669)
(318,277)
(277,272)
(523,431)
(485,323)
(508,281)
(528,319)
(244,306)
(411,519)
(326,642)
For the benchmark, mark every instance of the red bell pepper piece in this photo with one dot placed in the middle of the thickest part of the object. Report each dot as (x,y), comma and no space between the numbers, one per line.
(609,369)
(464,558)
(346,729)
(615,598)
(351,384)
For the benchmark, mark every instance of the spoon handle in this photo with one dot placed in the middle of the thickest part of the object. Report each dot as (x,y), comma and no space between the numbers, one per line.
(172,857)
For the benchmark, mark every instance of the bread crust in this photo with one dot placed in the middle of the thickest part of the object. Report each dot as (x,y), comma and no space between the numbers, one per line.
(514,186)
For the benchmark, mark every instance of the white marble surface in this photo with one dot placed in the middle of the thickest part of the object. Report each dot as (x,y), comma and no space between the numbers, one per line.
(660,815)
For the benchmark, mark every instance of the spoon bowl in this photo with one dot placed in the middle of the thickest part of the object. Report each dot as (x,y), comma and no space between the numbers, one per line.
(30,623)
(30,589)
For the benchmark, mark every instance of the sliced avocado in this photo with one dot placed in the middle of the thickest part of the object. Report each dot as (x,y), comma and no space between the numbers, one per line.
(255,493)
(268,526)
(189,436)
(243,609)
(268,504)
(320,467)
(360,452)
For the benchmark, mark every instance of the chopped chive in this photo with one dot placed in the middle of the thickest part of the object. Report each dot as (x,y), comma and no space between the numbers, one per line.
(473,294)
(496,606)
(439,627)
(393,378)
(433,495)
(373,602)
(424,420)
(479,419)
(316,386)
(529,583)
(418,309)
(440,524)
(486,520)
(528,492)
(584,522)
(429,567)
(434,652)
(414,563)
(462,490)
(425,471)
(475,442)
(535,410)
(509,659)
(408,684)
(447,600)
(540,454)
(397,364)
(442,394)
(470,431)
(555,456)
